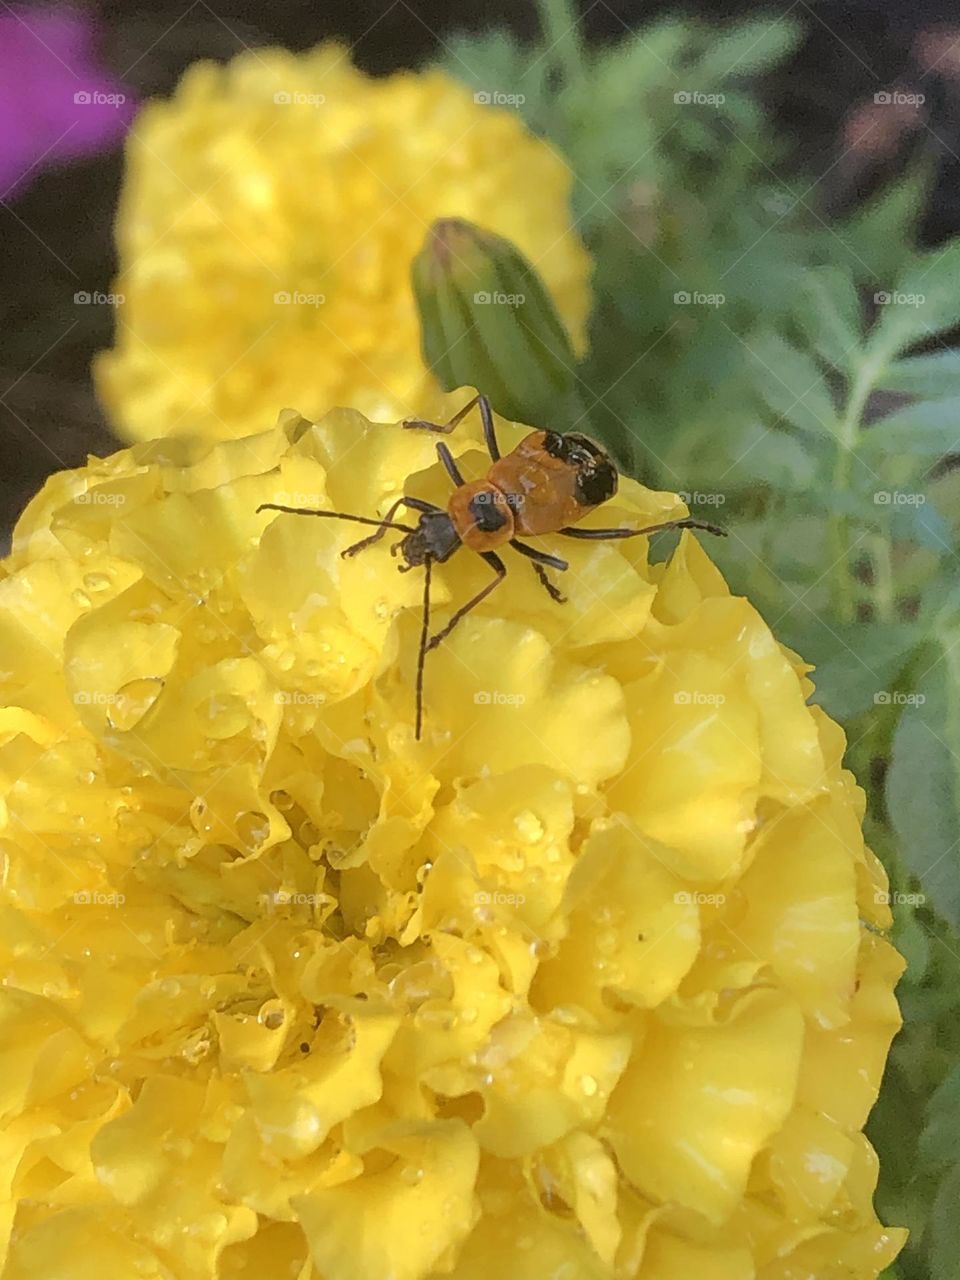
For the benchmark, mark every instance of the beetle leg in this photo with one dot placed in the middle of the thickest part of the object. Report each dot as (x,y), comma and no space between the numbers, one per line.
(416,504)
(609,534)
(541,558)
(500,569)
(486,416)
(453,471)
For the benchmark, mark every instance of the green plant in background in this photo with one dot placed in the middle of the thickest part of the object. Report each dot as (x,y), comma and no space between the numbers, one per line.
(792,375)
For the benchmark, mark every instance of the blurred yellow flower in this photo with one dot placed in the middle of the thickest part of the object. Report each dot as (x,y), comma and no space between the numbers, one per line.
(589,983)
(269,219)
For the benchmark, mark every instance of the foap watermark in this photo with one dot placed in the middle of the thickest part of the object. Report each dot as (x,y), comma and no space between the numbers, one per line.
(898,899)
(497,698)
(97,299)
(694,98)
(494,498)
(694,898)
(298,698)
(897,698)
(295,298)
(295,98)
(898,498)
(95,698)
(95,498)
(897,98)
(298,498)
(98,898)
(694,298)
(698,698)
(698,499)
(97,98)
(498,899)
(496,98)
(288,898)
(496,299)
(894,298)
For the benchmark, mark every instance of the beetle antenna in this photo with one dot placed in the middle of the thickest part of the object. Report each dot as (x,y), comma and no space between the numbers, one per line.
(424,633)
(688,523)
(336,515)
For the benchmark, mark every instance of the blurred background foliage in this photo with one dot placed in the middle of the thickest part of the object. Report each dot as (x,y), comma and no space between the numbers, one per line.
(794,374)
(778,302)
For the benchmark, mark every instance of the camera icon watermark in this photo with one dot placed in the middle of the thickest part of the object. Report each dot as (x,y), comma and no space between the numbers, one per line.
(694,98)
(96,299)
(295,298)
(691,897)
(298,698)
(482,898)
(484,299)
(494,98)
(897,98)
(497,698)
(98,898)
(96,98)
(698,499)
(897,498)
(95,698)
(294,98)
(898,899)
(698,698)
(893,298)
(96,498)
(897,698)
(694,298)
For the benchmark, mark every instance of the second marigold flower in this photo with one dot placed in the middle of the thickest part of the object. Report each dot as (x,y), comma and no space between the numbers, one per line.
(270,216)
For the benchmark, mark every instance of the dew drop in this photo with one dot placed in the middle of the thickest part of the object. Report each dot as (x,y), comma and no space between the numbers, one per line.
(589,1085)
(528,826)
(133,701)
(96,581)
(271,1015)
(82,599)
(253,828)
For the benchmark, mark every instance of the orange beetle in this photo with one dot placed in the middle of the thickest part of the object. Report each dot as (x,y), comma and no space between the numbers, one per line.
(548,483)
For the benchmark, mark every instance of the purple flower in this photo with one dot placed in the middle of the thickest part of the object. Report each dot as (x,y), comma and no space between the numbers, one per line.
(56,102)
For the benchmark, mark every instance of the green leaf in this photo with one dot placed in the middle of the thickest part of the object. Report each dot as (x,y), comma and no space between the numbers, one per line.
(945,1229)
(926,377)
(928,429)
(858,665)
(924,301)
(912,941)
(938,1141)
(749,48)
(829,312)
(923,784)
(792,384)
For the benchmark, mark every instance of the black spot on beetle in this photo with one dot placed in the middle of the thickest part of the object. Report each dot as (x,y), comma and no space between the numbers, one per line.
(596,483)
(488,514)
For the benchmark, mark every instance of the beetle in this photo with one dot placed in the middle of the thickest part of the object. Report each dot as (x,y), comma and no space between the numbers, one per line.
(547,484)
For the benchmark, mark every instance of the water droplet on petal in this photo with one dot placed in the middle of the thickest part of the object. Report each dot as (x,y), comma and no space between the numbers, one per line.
(253,828)
(528,826)
(132,703)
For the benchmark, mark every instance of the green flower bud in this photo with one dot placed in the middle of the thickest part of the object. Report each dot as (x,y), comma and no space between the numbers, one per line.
(488,321)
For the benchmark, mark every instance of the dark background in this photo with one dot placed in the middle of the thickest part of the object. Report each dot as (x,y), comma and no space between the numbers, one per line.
(48,415)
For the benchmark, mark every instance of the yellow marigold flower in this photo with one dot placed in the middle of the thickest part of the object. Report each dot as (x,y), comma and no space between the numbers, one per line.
(591,982)
(268,222)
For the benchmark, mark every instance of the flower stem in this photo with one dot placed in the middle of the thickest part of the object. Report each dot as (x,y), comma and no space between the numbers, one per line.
(848,437)
(560,24)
